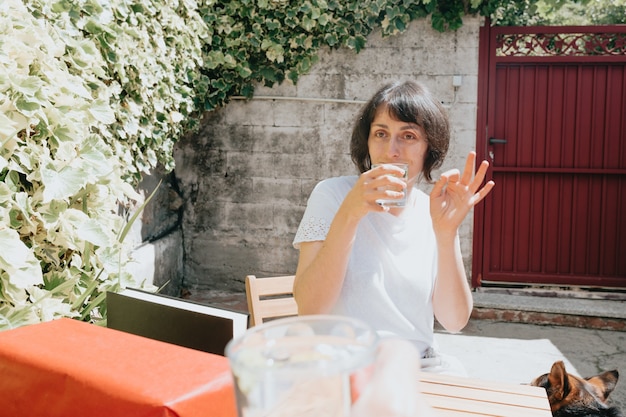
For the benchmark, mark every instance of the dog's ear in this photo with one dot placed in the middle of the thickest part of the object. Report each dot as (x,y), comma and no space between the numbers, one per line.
(559,383)
(604,382)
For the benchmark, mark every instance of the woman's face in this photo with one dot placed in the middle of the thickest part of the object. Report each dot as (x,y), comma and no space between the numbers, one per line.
(391,140)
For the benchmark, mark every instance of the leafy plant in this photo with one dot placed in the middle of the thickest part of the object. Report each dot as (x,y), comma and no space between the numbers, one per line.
(557,12)
(62,182)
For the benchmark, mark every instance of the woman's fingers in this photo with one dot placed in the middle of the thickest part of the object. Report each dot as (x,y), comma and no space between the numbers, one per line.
(480,176)
(385,182)
(467,186)
(368,190)
(452,175)
(469,178)
(445,178)
(468,172)
(482,193)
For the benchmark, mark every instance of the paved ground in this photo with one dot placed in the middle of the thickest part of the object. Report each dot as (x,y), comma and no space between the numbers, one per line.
(518,352)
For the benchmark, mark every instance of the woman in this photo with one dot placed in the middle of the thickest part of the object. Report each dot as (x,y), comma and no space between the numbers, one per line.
(394,268)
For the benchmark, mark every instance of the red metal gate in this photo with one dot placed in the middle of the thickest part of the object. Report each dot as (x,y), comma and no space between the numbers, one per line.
(552,122)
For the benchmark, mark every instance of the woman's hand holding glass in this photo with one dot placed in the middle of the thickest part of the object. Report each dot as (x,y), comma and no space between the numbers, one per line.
(383,182)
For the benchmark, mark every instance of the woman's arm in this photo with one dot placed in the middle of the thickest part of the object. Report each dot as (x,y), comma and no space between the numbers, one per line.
(322,264)
(452,299)
(451,199)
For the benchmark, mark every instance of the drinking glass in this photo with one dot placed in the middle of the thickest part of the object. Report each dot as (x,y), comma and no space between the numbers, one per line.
(396,202)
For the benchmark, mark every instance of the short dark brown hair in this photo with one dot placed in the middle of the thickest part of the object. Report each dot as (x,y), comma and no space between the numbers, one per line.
(409,102)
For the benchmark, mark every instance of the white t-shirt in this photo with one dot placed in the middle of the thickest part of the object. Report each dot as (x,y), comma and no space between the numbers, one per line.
(391,272)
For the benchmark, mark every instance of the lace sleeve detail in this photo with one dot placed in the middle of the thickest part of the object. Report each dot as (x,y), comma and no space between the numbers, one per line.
(322,205)
(312,229)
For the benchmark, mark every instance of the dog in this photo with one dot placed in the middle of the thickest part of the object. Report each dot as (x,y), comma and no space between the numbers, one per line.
(572,396)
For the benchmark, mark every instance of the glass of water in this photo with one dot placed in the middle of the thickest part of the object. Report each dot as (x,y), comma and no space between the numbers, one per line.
(395,202)
(301,366)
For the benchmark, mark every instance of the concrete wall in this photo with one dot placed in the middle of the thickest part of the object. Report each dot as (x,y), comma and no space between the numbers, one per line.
(246,175)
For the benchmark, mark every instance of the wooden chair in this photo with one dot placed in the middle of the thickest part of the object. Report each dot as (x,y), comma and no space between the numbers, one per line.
(270,298)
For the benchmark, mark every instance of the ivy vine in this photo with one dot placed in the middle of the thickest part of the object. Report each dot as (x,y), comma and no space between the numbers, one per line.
(268,41)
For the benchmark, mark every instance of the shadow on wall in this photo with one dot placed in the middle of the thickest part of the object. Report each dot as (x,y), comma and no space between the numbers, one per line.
(159,256)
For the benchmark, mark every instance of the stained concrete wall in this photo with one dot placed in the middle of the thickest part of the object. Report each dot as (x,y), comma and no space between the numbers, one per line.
(158,257)
(246,175)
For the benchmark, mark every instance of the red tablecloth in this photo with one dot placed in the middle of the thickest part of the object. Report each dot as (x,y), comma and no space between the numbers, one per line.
(70,368)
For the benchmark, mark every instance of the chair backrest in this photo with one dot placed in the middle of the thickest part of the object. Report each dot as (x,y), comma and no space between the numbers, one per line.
(270,298)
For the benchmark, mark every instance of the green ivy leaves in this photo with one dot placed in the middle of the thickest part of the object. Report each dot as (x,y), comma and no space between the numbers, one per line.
(61,182)
(18,261)
(268,41)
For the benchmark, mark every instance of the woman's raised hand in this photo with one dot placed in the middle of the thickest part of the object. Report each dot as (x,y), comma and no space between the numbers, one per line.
(454,195)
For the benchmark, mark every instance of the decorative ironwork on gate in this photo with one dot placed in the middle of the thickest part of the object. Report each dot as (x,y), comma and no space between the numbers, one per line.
(560,44)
